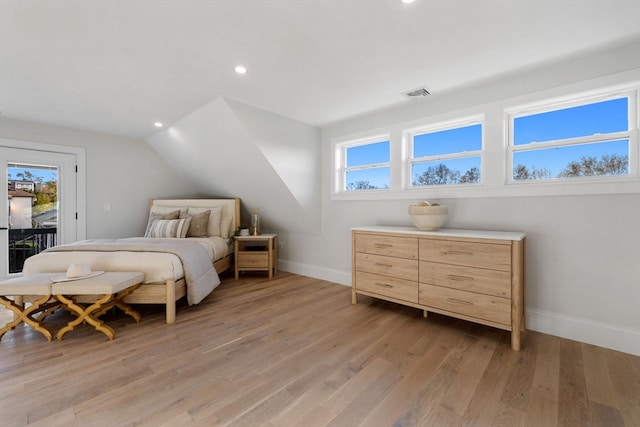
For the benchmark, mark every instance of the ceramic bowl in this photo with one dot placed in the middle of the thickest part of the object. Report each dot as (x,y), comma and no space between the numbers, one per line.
(428,218)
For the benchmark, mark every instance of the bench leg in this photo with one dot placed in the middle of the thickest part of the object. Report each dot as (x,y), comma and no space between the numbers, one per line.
(50,308)
(26,315)
(118,301)
(86,315)
(19,301)
(128,310)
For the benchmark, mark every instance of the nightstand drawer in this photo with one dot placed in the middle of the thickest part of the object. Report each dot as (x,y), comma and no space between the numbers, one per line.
(406,269)
(400,247)
(480,306)
(484,255)
(491,282)
(253,259)
(405,290)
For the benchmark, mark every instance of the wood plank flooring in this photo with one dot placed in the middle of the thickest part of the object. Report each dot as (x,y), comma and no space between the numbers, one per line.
(293,351)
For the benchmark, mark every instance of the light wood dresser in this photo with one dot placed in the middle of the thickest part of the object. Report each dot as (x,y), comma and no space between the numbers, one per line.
(469,274)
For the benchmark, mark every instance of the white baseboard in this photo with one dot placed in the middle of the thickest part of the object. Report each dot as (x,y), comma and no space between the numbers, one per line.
(330,275)
(573,328)
(584,330)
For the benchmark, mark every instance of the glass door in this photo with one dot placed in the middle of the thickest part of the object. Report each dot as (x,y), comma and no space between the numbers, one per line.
(38,204)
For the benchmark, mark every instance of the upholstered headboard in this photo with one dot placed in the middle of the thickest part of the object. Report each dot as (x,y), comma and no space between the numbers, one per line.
(229,211)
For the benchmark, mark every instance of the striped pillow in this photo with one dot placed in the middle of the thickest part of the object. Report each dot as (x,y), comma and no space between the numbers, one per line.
(155,215)
(166,228)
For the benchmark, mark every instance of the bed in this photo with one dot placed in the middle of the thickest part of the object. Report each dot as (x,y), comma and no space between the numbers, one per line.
(185,246)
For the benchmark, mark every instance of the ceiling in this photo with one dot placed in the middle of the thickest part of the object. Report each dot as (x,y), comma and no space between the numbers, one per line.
(118,66)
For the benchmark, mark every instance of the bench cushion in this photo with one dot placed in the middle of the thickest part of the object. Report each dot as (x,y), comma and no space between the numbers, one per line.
(107,283)
(35,284)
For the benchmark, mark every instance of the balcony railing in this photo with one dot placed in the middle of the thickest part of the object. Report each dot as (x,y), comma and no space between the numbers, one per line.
(26,242)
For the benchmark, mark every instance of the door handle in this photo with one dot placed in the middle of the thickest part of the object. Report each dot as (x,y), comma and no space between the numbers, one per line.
(3,228)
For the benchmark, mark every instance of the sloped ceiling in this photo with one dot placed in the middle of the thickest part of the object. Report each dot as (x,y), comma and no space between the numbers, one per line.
(233,149)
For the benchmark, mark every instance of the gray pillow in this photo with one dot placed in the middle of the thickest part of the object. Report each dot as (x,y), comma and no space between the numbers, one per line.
(154,216)
(199,224)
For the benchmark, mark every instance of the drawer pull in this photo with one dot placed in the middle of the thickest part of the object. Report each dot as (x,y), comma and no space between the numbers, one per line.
(458,253)
(384,265)
(455,278)
(383,245)
(459,301)
(384,285)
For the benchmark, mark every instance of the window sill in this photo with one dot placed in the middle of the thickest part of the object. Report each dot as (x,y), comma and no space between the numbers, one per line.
(583,186)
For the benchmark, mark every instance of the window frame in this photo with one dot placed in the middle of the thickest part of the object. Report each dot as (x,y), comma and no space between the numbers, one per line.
(408,139)
(341,169)
(496,160)
(575,100)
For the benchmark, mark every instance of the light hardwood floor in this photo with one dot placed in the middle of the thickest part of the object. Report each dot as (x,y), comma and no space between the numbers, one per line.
(293,351)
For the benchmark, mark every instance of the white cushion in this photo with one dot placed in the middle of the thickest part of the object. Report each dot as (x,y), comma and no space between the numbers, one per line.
(226,225)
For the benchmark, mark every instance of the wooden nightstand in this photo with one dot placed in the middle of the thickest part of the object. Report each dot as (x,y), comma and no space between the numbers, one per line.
(256,253)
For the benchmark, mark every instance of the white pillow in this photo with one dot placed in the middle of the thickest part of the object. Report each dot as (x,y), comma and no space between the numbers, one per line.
(214,218)
(225,227)
(168,228)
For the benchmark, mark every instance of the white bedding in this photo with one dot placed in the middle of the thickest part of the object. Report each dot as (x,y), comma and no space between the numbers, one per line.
(217,247)
(157,266)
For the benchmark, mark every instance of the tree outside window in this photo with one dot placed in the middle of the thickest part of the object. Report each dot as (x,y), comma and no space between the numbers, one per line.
(590,139)
(446,155)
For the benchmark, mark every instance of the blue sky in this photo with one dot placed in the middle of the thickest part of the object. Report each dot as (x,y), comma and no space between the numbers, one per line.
(598,118)
(586,120)
(601,117)
(45,174)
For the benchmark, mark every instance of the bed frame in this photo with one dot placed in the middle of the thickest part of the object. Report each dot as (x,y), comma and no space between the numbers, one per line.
(171,291)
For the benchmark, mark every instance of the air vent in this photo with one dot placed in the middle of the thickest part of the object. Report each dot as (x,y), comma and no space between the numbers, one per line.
(418,93)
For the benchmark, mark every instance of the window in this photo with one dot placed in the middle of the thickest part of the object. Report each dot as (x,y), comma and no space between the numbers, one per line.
(530,145)
(363,164)
(446,154)
(588,137)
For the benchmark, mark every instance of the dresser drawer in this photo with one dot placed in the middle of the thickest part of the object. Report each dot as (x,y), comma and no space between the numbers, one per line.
(400,247)
(484,255)
(387,266)
(480,306)
(491,282)
(405,290)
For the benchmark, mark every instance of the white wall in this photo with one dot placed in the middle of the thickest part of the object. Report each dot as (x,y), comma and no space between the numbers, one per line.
(583,269)
(121,173)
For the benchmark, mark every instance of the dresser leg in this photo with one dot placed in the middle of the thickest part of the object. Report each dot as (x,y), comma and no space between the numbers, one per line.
(354,296)
(425,313)
(516,335)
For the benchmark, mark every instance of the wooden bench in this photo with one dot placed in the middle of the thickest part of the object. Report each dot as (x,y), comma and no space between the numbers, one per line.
(37,286)
(107,290)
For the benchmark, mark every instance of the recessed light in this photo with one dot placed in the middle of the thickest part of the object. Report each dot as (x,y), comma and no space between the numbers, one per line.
(241,69)
(158,124)
(408,1)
